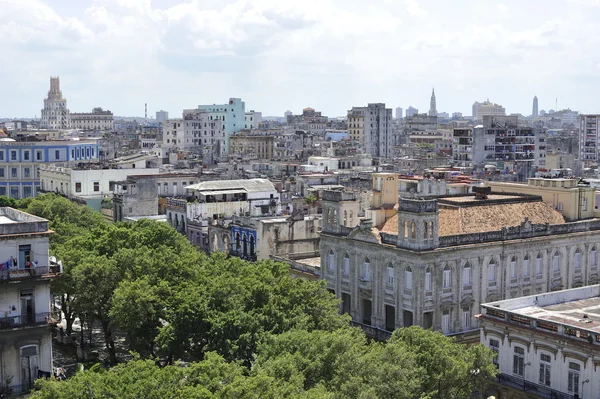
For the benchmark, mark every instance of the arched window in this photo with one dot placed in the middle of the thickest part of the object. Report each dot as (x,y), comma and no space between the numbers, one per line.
(351,218)
(526,265)
(447,280)
(413,230)
(329,216)
(593,259)
(405,228)
(335,216)
(492,270)
(425,230)
(367,270)
(345,218)
(538,265)
(346,265)
(513,267)
(431,230)
(467,274)
(408,278)
(390,274)
(577,259)
(556,262)
(331,260)
(428,279)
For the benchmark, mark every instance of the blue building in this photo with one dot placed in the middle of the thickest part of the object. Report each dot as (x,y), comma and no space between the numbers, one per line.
(20,162)
(233,115)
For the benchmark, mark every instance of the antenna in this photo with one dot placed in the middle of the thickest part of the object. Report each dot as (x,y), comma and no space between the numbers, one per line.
(145,110)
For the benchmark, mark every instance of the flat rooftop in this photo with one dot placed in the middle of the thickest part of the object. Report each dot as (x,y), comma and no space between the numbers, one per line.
(15,222)
(578,308)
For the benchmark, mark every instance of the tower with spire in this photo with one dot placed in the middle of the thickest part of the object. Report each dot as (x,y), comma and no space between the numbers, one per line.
(432,106)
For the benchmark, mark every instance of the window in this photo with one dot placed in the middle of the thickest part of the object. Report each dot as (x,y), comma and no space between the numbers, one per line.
(331,260)
(1,172)
(466,318)
(346,265)
(408,278)
(26,155)
(545,361)
(447,277)
(495,347)
(78,187)
(390,275)
(518,361)
(26,172)
(593,258)
(13,172)
(513,267)
(56,154)
(38,155)
(367,270)
(446,321)
(96,186)
(526,266)
(1,155)
(492,270)
(538,265)
(555,262)
(577,259)
(573,383)
(13,155)
(428,279)
(467,274)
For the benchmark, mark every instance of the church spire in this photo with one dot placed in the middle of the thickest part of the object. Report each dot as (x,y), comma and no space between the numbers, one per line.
(432,105)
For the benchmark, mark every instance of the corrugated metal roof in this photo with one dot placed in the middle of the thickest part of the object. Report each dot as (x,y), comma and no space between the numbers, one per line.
(250,185)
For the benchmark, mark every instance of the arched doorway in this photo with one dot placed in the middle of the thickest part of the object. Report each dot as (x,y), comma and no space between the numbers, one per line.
(252,246)
(244,246)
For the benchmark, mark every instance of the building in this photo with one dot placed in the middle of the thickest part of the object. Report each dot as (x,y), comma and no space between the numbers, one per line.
(547,345)
(371,126)
(534,111)
(457,115)
(432,262)
(55,114)
(432,105)
(203,134)
(487,108)
(410,111)
(98,119)
(20,162)
(161,116)
(420,122)
(589,139)
(232,115)
(248,146)
(172,132)
(26,319)
(399,113)
(252,119)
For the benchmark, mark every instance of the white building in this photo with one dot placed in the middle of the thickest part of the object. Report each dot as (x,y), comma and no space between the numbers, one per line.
(98,119)
(399,113)
(55,115)
(161,116)
(172,132)
(547,345)
(252,119)
(589,139)
(25,301)
(487,108)
(232,115)
(202,134)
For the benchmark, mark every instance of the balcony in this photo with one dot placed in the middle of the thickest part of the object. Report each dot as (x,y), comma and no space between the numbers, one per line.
(28,320)
(37,272)
(540,390)
(373,332)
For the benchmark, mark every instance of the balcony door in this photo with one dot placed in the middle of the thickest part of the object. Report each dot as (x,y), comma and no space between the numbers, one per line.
(24,256)
(27,306)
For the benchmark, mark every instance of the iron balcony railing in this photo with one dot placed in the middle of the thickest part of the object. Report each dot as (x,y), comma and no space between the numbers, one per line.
(28,273)
(27,320)
(530,387)
(373,332)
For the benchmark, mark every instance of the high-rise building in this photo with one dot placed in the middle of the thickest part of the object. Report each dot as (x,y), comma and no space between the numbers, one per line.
(535,106)
(589,139)
(399,113)
(55,114)
(432,105)
(410,111)
(487,108)
(372,127)
(161,116)
(232,115)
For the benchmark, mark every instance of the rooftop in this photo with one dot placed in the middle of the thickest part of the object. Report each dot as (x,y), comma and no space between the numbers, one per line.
(248,185)
(15,222)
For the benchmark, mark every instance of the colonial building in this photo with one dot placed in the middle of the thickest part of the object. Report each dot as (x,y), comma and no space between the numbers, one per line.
(247,146)
(98,119)
(546,345)
(25,301)
(432,262)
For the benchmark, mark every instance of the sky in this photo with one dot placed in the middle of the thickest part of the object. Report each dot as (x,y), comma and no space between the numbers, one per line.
(290,54)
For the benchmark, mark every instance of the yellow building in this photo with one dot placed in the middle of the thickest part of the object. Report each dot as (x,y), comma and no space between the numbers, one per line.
(575,201)
(356,124)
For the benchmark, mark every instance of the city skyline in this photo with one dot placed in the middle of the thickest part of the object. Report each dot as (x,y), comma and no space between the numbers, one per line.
(175,55)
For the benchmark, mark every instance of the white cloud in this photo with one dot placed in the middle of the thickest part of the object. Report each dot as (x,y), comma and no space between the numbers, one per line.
(277,55)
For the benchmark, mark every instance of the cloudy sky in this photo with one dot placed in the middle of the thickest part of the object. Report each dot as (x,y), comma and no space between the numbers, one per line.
(288,54)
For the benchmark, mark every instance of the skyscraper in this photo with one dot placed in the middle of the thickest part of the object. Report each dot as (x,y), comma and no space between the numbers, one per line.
(535,106)
(432,106)
(55,114)
(399,113)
